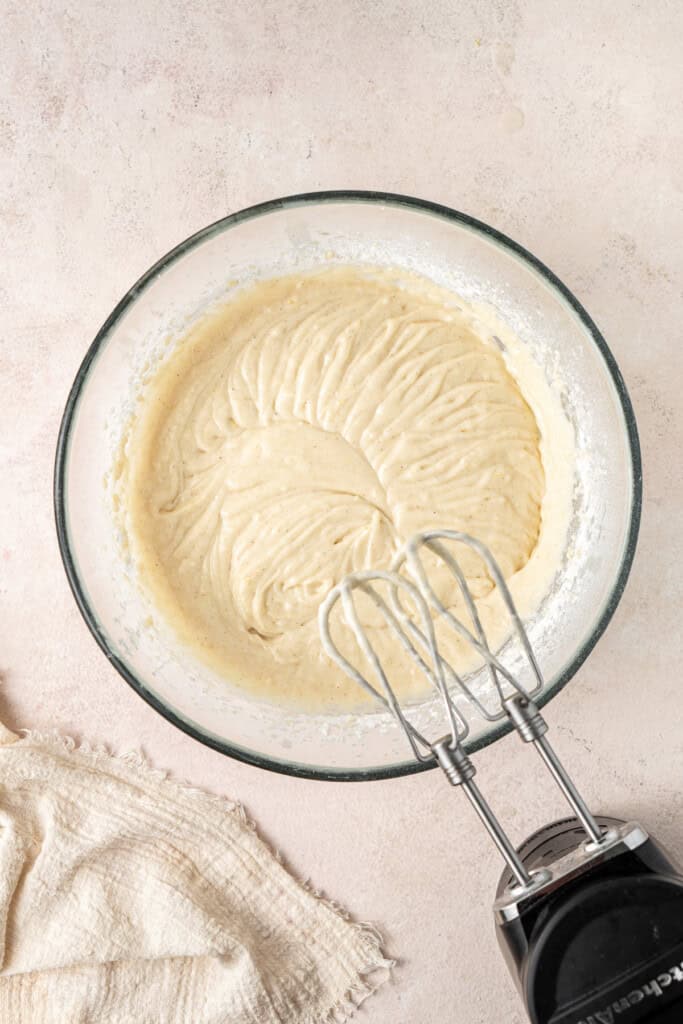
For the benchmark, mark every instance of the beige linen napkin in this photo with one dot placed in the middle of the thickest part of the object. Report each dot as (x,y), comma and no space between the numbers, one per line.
(127,898)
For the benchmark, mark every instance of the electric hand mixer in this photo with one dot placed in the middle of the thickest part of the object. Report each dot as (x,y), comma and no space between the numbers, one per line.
(589,910)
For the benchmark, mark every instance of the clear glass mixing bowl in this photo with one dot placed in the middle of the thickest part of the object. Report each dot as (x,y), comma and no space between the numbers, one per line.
(293,234)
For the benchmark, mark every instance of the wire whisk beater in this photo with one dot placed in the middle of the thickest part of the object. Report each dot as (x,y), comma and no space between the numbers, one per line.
(410,607)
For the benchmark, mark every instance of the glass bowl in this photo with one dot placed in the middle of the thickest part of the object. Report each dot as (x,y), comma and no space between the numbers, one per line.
(295,234)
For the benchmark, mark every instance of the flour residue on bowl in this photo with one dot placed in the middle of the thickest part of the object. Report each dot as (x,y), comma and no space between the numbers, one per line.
(305,430)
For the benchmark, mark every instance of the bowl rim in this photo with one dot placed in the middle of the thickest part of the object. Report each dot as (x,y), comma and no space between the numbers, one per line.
(225,223)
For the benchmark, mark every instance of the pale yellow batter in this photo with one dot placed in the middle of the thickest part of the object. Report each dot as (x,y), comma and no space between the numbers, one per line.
(303,431)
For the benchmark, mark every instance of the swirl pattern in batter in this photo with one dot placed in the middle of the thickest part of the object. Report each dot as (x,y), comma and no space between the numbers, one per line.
(302,432)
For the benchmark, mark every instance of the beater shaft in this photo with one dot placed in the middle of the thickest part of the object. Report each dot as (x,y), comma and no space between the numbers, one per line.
(497,833)
(532,728)
(460,771)
(571,793)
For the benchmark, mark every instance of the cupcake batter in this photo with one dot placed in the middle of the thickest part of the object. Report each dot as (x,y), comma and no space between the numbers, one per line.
(304,431)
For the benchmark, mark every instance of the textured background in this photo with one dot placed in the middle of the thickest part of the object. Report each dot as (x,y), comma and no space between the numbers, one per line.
(125,127)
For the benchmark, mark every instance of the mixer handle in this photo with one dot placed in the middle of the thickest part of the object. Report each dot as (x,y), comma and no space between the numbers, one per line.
(612,952)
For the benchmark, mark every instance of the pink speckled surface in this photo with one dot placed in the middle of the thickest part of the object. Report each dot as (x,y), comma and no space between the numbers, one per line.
(124,128)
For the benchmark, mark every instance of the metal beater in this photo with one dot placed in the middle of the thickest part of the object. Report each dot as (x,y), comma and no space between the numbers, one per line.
(589,911)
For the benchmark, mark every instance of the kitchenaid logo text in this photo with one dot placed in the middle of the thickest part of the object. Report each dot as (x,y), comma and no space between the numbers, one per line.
(655,988)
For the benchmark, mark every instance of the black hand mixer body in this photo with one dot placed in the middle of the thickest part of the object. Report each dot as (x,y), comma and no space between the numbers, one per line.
(602,942)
